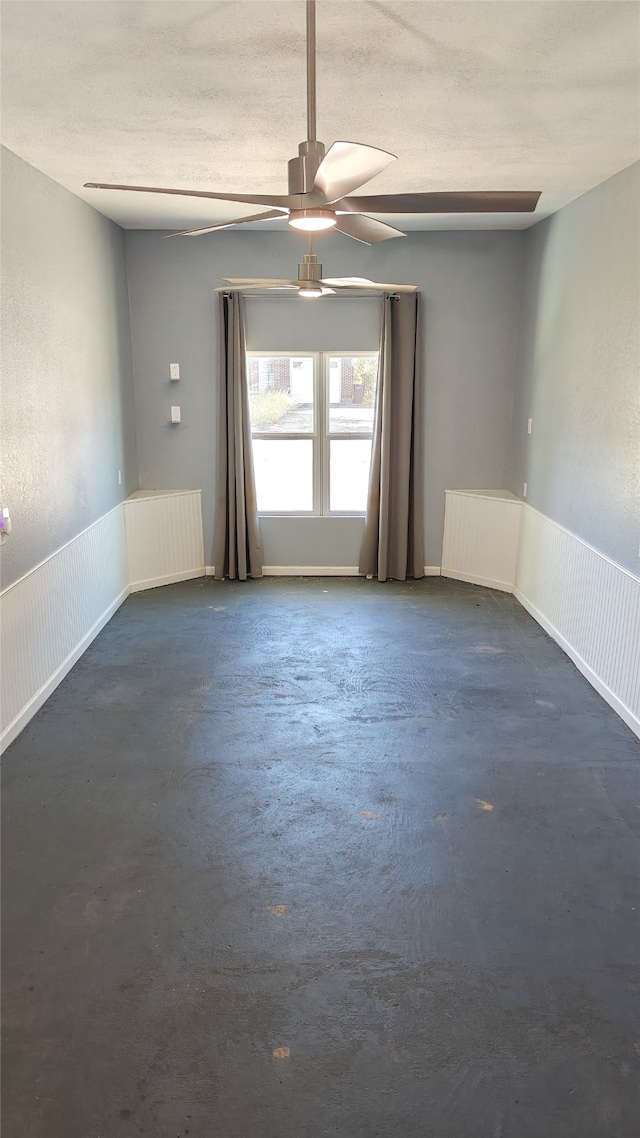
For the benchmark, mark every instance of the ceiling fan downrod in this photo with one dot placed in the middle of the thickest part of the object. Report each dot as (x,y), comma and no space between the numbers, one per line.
(303,169)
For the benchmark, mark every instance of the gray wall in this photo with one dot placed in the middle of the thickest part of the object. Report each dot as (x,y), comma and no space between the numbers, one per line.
(579,369)
(471,291)
(67,393)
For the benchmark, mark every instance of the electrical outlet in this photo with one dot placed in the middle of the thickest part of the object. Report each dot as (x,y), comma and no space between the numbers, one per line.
(524,489)
(175,414)
(174,371)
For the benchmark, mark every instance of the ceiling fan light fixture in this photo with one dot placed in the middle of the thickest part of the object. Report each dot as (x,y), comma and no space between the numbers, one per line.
(312,220)
(310,291)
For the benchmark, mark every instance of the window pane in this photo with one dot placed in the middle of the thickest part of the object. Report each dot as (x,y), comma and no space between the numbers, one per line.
(352,394)
(349,474)
(280,394)
(284,474)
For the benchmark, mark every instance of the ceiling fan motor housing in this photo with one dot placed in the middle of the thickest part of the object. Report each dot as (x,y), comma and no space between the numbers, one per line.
(303,169)
(309,269)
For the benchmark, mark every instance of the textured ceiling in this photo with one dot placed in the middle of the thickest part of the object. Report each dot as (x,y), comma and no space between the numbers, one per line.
(483,95)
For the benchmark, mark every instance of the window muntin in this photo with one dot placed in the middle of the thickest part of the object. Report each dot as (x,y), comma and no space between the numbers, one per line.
(324,401)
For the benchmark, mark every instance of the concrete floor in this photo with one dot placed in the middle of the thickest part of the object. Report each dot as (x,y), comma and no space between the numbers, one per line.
(303,858)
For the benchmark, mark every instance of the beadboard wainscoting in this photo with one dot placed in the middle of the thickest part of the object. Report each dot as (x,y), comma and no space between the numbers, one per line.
(164,537)
(588,604)
(52,614)
(481,532)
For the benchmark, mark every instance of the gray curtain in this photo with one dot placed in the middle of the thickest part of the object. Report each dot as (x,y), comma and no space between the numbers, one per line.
(237,551)
(392,542)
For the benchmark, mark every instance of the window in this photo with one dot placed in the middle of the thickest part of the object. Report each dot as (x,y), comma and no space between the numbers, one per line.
(312,424)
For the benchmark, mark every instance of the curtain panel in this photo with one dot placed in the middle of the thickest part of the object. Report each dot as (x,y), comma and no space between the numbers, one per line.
(237,551)
(392,545)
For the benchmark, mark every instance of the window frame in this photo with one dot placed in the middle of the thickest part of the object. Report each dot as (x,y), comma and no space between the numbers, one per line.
(320,436)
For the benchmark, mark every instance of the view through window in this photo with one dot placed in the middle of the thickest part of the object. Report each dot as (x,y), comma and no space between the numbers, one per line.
(312,425)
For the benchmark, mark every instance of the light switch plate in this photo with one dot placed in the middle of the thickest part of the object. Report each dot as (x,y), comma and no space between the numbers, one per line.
(174,371)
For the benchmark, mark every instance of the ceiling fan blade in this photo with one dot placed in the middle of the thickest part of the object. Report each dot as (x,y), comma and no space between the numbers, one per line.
(472,201)
(363,283)
(347,165)
(282,202)
(248,284)
(256,282)
(347,282)
(227,224)
(365,229)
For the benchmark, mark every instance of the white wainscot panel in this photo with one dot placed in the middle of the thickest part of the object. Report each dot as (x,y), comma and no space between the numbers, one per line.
(588,604)
(54,612)
(51,615)
(164,537)
(481,534)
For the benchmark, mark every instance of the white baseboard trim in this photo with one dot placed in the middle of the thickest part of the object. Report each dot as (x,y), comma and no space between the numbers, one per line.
(318,571)
(168,579)
(311,571)
(35,703)
(614,702)
(474,579)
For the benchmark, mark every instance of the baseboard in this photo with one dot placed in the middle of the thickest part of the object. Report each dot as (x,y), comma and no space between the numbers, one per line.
(168,579)
(611,698)
(473,579)
(311,571)
(35,703)
(318,571)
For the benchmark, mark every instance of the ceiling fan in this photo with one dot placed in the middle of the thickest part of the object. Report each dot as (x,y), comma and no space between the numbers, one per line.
(311,283)
(320,185)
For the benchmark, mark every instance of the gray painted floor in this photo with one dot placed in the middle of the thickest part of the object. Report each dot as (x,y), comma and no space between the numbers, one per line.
(294,859)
